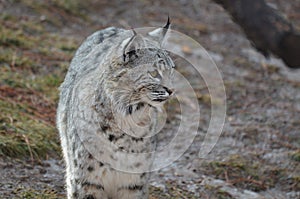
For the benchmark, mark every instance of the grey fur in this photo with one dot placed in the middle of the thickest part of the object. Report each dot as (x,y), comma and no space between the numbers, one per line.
(108,111)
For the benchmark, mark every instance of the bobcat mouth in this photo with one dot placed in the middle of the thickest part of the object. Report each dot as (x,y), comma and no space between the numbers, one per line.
(159,100)
(161,95)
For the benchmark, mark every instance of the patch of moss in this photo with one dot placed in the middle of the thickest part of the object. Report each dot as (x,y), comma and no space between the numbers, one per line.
(295,155)
(245,173)
(220,194)
(178,192)
(204,98)
(29,193)
(157,193)
(68,48)
(216,192)
(296,182)
(173,191)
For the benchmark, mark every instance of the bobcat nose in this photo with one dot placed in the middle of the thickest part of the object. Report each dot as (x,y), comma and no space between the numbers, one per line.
(170,91)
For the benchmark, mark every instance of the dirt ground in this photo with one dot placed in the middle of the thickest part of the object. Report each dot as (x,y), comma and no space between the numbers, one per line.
(256,157)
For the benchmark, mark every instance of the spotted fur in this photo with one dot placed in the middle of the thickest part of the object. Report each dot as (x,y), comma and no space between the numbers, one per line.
(107,111)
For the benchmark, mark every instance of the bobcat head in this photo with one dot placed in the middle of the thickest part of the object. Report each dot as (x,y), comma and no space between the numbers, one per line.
(143,72)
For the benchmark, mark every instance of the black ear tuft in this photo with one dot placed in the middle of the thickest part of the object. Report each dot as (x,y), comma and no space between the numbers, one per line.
(168,23)
(160,33)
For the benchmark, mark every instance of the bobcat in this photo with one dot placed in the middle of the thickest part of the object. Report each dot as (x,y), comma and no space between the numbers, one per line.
(108,109)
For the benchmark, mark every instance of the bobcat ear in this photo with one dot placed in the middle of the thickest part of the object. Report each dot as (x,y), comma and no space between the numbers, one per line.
(160,33)
(129,46)
(127,43)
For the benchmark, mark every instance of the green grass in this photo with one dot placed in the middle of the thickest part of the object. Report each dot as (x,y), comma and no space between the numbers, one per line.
(70,6)
(9,37)
(23,135)
(33,63)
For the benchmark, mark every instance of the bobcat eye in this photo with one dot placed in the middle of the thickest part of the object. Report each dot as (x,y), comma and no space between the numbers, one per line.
(161,61)
(154,74)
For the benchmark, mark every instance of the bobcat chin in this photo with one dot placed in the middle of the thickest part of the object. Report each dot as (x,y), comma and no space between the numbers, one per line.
(108,112)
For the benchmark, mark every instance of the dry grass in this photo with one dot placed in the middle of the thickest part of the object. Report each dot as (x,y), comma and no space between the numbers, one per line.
(33,62)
